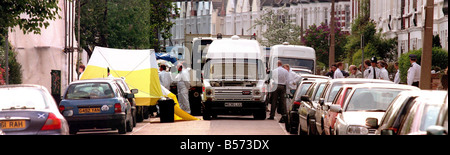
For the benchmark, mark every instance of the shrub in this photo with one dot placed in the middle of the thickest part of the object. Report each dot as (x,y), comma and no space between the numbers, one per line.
(439,59)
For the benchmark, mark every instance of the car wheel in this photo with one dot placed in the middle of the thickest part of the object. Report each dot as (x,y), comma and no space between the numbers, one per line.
(73,130)
(122,127)
(130,125)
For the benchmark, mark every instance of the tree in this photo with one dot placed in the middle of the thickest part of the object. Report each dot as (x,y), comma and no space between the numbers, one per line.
(125,24)
(379,46)
(318,38)
(37,14)
(30,16)
(280,27)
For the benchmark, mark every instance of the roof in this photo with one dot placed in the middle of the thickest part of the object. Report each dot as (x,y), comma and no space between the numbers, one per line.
(21,85)
(378,85)
(234,48)
(359,80)
(95,80)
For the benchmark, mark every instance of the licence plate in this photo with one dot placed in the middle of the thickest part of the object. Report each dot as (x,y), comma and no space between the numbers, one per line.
(233,104)
(16,124)
(88,110)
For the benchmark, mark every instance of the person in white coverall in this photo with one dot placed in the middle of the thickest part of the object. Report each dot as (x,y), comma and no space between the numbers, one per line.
(183,88)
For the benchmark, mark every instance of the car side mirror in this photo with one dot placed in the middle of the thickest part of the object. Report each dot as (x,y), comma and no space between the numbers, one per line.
(335,108)
(436,130)
(130,95)
(321,101)
(305,98)
(387,132)
(134,91)
(372,122)
(290,96)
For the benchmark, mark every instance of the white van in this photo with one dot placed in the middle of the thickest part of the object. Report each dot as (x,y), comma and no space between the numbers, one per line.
(299,58)
(234,78)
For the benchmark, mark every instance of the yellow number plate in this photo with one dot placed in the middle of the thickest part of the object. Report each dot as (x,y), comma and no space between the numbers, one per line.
(16,124)
(88,110)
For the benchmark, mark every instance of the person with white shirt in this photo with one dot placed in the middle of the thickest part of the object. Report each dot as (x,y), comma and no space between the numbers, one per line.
(338,73)
(413,77)
(397,75)
(165,77)
(280,77)
(293,79)
(372,72)
(384,74)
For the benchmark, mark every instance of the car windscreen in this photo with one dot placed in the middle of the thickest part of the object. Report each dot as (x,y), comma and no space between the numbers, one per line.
(302,90)
(377,99)
(91,90)
(22,98)
(234,69)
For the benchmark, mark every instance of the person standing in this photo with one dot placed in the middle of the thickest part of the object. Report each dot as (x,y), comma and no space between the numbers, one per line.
(413,77)
(165,77)
(384,74)
(372,71)
(338,73)
(81,69)
(397,75)
(183,88)
(354,72)
(280,76)
(293,79)
(331,72)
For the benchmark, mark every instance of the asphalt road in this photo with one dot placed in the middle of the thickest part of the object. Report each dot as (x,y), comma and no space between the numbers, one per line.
(223,125)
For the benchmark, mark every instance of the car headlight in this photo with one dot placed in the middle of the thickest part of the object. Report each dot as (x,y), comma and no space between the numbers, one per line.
(357,130)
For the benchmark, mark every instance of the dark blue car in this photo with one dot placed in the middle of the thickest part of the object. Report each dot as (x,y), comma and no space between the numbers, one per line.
(99,103)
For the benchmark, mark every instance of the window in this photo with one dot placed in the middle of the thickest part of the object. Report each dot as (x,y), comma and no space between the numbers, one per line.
(377,99)
(92,90)
(319,91)
(302,90)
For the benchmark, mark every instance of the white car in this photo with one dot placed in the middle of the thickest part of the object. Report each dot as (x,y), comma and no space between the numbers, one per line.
(365,101)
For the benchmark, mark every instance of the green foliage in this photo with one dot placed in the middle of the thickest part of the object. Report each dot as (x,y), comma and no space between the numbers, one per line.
(125,24)
(439,59)
(39,11)
(380,47)
(279,27)
(317,37)
(15,68)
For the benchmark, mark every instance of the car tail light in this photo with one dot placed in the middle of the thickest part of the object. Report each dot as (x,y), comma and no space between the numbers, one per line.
(61,108)
(52,122)
(297,103)
(117,108)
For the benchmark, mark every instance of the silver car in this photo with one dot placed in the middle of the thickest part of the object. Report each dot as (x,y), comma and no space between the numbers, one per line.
(30,110)
(365,101)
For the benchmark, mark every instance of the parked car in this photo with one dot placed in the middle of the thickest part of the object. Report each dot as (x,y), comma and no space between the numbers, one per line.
(122,84)
(441,127)
(423,114)
(30,110)
(397,112)
(99,103)
(365,101)
(340,99)
(308,82)
(308,104)
(329,93)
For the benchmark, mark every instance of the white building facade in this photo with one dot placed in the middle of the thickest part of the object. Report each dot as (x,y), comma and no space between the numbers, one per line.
(236,17)
(405,19)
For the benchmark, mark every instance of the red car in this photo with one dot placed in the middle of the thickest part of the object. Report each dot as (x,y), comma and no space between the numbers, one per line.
(330,118)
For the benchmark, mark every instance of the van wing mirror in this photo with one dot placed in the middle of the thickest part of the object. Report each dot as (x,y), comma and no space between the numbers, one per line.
(335,108)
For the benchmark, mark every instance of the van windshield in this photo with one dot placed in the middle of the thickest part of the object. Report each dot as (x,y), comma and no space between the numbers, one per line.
(298,63)
(239,69)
